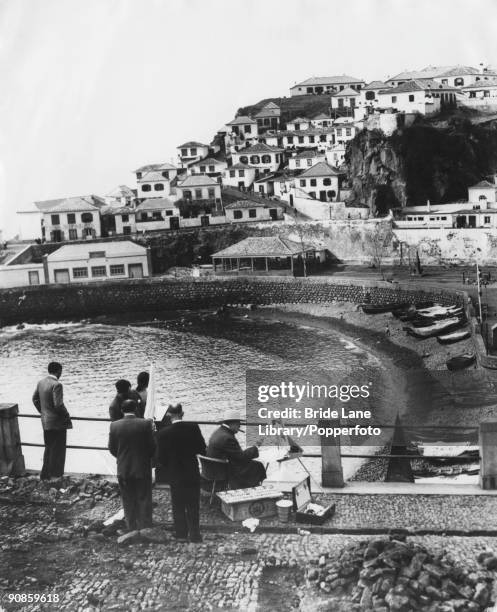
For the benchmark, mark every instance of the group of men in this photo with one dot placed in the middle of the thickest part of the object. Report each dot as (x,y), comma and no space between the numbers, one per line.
(137,446)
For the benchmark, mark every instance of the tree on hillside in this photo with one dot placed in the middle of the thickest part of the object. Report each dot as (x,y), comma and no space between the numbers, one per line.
(379,245)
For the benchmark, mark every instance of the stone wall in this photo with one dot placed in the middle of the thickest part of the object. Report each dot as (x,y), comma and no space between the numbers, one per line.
(76,301)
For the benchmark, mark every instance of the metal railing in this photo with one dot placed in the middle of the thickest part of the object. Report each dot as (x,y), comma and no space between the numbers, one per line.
(307,455)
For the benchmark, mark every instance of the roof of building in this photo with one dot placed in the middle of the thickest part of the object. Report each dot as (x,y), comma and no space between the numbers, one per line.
(71,252)
(251,204)
(309,153)
(190,144)
(309,132)
(240,166)
(483,185)
(348,91)
(418,85)
(121,191)
(331,80)
(117,210)
(269,110)
(156,167)
(151,176)
(208,161)
(321,117)
(319,169)
(430,72)
(73,204)
(482,84)
(197,180)
(299,120)
(377,85)
(280,175)
(259,148)
(263,246)
(243,120)
(155,204)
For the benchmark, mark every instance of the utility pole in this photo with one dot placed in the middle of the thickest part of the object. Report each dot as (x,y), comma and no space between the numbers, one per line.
(479,292)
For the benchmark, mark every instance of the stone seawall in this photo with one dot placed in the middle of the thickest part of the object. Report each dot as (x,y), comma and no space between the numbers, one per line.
(57,302)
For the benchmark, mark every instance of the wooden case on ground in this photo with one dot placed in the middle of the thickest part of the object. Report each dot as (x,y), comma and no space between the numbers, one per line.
(302,498)
(255,502)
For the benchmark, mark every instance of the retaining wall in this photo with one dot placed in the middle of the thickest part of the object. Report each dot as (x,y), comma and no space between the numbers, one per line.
(56,302)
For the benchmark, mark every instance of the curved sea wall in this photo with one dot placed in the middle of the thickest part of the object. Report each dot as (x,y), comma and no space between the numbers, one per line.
(56,302)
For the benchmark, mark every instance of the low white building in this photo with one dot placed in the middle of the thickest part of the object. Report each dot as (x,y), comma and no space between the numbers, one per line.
(264,158)
(326,85)
(239,175)
(321,121)
(454,76)
(121,196)
(246,210)
(369,99)
(167,171)
(305,159)
(192,151)
(424,96)
(299,123)
(156,183)
(76,263)
(307,139)
(480,94)
(335,156)
(347,98)
(344,132)
(118,221)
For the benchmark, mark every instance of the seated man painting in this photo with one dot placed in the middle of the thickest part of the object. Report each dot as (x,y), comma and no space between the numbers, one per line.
(243,471)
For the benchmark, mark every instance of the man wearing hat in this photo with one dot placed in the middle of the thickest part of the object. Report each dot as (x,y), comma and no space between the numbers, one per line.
(244,472)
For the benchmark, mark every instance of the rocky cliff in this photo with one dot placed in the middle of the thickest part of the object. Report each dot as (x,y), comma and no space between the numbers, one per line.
(434,161)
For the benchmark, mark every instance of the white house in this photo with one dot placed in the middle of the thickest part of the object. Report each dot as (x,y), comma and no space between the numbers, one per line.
(305,159)
(325,85)
(307,139)
(262,157)
(335,156)
(346,98)
(244,126)
(157,214)
(199,187)
(156,183)
(167,171)
(239,175)
(268,118)
(192,151)
(299,123)
(118,221)
(454,76)
(78,263)
(246,210)
(210,166)
(321,121)
(480,94)
(483,194)
(74,218)
(424,96)
(344,132)
(368,98)
(122,195)
(320,182)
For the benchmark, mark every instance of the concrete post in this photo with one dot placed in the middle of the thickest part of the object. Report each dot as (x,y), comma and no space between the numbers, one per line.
(11,459)
(331,462)
(488,453)
(45,269)
(149,260)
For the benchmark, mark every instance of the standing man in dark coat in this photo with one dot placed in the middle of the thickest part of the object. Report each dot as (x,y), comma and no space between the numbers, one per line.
(178,445)
(125,392)
(244,472)
(48,399)
(131,441)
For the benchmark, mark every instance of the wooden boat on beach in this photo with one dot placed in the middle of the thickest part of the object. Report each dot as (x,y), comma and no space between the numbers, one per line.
(380,308)
(460,362)
(453,337)
(435,330)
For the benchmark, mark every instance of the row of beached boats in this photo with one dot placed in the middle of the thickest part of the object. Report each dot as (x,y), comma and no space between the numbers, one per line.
(448,324)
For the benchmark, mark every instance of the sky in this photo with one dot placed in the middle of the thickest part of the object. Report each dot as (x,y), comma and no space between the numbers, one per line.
(91,90)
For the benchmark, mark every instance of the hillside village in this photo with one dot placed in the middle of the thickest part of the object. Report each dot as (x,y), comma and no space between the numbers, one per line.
(272,163)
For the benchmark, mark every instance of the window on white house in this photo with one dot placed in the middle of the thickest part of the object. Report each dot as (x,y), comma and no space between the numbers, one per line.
(146,187)
(289,139)
(311,139)
(309,162)
(165,174)
(169,213)
(252,213)
(255,159)
(87,217)
(184,152)
(232,173)
(71,218)
(124,218)
(394,99)
(241,172)
(339,131)
(237,214)
(302,182)
(211,192)
(98,271)
(198,194)
(486,219)
(117,270)
(159,187)
(348,131)
(202,168)
(266,159)
(55,219)
(247,129)
(212,169)
(193,152)
(411,98)
(73,234)
(244,159)
(326,182)
(156,215)
(313,182)
(34,277)
(297,163)
(126,229)
(80,272)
